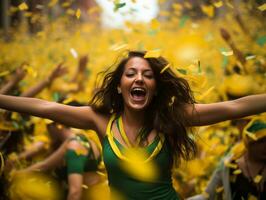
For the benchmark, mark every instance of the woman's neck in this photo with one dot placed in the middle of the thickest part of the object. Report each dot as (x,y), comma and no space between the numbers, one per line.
(133,118)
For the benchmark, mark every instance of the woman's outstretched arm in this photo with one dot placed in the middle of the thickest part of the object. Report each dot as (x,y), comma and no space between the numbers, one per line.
(206,114)
(80,117)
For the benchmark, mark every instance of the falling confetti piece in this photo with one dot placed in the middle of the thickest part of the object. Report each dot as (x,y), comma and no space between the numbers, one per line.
(182,71)
(2,164)
(78,13)
(118,6)
(219,189)
(165,68)
(4,73)
(23,6)
(52,3)
(66,4)
(153,54)
(238,171)
(85,187)
(93,10)
(230,165)
(206,93)
(227,53)
(262,7)
(218,4)
(154,24)
(172,101)
(74,52)
(117,47)
(257,179)
(208,10)
(250,57)
(251,197)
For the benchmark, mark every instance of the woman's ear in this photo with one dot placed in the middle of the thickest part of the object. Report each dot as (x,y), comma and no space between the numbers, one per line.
(119,90)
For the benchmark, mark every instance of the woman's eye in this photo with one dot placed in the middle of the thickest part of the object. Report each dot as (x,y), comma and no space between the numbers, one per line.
(149,76)
(130,74)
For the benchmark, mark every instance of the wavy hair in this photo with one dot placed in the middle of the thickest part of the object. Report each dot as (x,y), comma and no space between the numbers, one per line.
(165,113)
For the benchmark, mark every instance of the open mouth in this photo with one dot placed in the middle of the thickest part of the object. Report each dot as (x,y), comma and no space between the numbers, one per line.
(138,93)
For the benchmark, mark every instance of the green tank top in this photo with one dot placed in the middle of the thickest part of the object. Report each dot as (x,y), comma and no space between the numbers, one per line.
(81,163)
(128,186)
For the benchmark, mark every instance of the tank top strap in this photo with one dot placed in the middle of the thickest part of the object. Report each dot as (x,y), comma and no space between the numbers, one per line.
(110,137)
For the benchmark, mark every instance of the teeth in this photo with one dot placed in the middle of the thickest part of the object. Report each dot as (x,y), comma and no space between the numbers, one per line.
(138,89)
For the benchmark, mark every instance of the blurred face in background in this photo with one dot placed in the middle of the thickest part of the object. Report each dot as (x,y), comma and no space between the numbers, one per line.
(257,150)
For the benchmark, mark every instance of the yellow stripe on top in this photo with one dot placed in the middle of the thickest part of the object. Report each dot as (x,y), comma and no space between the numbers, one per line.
(110,137)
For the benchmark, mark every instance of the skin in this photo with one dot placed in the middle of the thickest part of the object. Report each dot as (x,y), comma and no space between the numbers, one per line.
(75,181)
(85,118)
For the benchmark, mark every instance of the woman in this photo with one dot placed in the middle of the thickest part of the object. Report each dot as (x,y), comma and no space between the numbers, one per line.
(80,156)
(141,104)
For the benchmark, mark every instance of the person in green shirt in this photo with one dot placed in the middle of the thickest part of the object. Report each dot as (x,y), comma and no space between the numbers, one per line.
(141,106)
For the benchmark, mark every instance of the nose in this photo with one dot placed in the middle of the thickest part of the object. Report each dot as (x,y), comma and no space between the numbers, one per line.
(139,78)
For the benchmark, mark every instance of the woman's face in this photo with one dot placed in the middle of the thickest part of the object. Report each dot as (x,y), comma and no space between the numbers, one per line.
(137,84)
(257,150)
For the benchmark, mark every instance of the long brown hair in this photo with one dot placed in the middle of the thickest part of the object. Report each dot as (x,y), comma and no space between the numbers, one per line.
(166,112)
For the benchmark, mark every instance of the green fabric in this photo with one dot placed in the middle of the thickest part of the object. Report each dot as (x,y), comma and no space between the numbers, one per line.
(257,126)
(81,163)
(131,188)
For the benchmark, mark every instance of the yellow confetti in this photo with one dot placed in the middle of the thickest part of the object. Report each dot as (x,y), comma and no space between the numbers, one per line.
(208,10)
(206,93)
(230,165)
(52,3)
(146,171)
(238,171)
(31,71)
(229,4)
(262,7)
(164,13)
(172,101)
(218,4)
(66,4)
(80,151)
(177,6)
(85,187)
(165,68)
(93,10)
(2,164)
(219,189)
(227,53)
(154,24)
(28,14)
(4,73)
(66,101)
(153,54)
(257,179)
(251,197)
(70,12)
(78,13)
(117,47)
(74,52)
(250,57)
(23,6)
